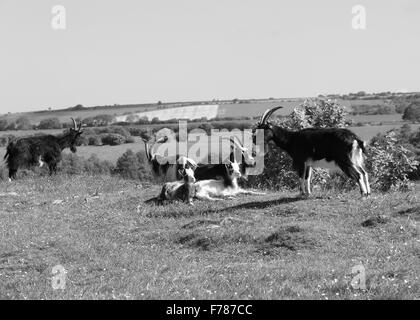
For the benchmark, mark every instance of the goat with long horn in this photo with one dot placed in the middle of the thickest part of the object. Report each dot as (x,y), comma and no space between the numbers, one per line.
(319,147)
(30,151)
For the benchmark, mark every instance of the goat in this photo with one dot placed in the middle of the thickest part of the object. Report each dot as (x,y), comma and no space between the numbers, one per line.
(166,169)
(180,190)
(218,171)
(226,187)
(319,147)
(30,151)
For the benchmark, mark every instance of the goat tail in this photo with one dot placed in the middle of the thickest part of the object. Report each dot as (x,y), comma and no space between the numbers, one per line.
(362,145)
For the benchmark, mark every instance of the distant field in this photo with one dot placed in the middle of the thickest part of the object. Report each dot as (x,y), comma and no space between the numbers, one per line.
(23,133)
(248,109)
(378,118)
(256,109)
(64,116)
(368,132)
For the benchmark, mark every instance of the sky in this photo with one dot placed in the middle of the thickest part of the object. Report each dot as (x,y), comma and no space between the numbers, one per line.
(123,52)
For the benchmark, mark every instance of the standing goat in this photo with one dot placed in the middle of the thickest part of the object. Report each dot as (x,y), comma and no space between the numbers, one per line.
(319,147)
(30,151)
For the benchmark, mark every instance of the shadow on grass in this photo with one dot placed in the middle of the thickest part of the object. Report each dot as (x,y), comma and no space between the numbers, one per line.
(262,204)
(191,210)
(414,213)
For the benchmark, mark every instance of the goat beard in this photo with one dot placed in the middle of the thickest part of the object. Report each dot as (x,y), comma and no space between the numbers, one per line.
(73,149)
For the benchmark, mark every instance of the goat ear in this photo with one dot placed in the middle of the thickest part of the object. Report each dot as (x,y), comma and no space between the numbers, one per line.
(181,173)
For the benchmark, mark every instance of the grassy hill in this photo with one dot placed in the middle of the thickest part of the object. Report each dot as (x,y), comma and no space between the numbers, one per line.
(236,109)
(276,246)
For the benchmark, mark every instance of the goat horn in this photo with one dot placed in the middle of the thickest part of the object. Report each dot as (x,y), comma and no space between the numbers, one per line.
(162,140)
(268,113)
(74,123)
(235,141)
(147,150)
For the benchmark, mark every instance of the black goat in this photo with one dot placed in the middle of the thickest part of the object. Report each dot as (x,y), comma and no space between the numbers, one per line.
(319,147)
(30,151)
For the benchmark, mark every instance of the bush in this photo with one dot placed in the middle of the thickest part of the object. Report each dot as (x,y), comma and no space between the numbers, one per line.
(390,163)
(3,124)
(23,123)
(132,166)
(137,131)
(112,139)
(94,140)
(82,140)
(5,139)
(412,112)
(96,166)
(73,164)
(99,120)
(51,123)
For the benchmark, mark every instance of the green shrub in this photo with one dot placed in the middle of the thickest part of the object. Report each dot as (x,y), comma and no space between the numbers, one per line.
(132,166)
(390,163)
(412,112)
(5,139)
(94,140)
(23,123)
(112,139)
(3,124)
(51,123)
(94,165)
(137,131)
(82,140)
(71,164)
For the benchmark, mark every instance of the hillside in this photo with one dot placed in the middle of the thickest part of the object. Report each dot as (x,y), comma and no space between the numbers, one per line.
(210,109)
(113,245)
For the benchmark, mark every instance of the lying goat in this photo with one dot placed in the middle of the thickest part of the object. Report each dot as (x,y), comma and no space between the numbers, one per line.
(218,171)
(180,190)
(319,147)
(227,187)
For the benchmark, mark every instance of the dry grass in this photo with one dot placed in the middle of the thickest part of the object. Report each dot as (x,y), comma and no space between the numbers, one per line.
(277,246)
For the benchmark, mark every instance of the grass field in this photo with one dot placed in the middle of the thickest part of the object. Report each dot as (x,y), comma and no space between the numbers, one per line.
(277,246)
